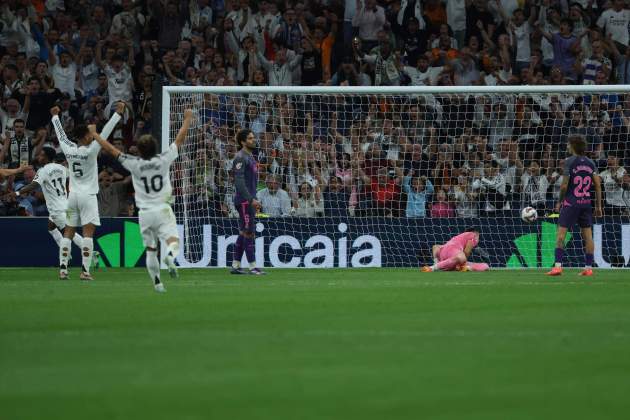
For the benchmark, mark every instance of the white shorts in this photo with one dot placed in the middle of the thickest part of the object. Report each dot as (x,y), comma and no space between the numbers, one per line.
(157,224)
(58,218)
(82,210)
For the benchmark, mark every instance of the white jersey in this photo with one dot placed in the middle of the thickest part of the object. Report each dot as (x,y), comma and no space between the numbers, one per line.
(52,178)
(151,178)
(82,159)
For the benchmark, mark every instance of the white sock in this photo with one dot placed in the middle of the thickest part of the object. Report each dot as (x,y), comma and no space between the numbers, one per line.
(64,252)
(559,265)
(236,264)
(57,236)
(172,250)
(153,266)
(252,265)
(434,267)
(77,240)
(86,252)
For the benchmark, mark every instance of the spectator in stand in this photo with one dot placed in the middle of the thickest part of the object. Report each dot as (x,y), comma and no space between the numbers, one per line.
(20,149)
(112,194)
(310,202)
(588,67)
(279,70)
(414,41)
(615,21)
(370,19)
(336,199)
(441,207)
(616,187)
(348,75)
(464,197)
(565,48)
(274,200)
(8,117)
(418,190)
(384,190)
(535,187)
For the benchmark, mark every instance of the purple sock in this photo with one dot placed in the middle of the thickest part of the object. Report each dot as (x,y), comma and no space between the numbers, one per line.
(559,255)
(238,249)
(588,259)
(249,250)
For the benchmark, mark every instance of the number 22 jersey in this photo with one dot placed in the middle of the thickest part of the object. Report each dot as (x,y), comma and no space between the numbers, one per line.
(151,178)
(581,171)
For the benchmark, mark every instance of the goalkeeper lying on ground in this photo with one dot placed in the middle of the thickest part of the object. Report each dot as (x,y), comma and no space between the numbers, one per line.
(453,255)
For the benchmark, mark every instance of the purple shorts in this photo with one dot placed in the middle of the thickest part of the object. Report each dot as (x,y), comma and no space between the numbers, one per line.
(570,215)
(246,217)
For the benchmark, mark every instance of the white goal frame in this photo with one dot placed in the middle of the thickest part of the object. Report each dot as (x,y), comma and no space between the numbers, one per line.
(168,91)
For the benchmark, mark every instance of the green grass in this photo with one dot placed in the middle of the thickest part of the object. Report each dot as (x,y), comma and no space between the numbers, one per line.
(342,344)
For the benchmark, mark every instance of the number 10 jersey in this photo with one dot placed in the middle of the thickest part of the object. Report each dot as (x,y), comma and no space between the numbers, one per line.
(151,178)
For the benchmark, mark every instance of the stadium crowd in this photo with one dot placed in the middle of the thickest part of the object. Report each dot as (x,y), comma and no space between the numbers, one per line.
(335,155)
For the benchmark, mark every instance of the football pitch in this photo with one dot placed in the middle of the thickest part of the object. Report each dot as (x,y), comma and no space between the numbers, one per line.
(315,344)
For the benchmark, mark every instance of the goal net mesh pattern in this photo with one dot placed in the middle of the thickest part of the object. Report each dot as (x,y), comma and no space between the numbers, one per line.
(411,170)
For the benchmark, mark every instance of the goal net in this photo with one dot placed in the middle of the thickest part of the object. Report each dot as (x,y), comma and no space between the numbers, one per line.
(373,176)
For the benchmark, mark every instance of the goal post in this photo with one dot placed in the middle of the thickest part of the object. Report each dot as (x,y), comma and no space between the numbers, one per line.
(374,176)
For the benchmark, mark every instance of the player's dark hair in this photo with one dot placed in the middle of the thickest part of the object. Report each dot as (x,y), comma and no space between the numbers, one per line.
(578,144)
(146,146)
(241,137)
(79,132)
(50,153)
(19,120)
(60,158)
(472,229)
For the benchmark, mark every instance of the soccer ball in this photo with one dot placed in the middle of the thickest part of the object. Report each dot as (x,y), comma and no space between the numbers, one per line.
(529,214)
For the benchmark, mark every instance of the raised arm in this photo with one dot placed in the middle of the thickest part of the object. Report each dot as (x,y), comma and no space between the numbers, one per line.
(9,172)
(263,60)
(113,121)
(64,141)
(107,146)
(183,131)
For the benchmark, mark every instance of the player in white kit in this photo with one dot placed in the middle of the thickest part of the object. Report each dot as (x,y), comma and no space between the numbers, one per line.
(152,184)
(52,178)
(82,202)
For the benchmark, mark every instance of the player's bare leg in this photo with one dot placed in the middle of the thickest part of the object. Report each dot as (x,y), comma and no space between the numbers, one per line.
(172,246)
(560,236)
(87,248)
(589,250)
(153,267)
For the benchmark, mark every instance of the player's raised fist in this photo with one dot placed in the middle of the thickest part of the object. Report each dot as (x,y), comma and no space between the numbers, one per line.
(55,110)
(188,113)
(92,128)
(120,107)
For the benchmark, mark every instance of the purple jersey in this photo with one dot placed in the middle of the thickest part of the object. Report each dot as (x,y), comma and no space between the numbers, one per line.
(581,172)
(245,177)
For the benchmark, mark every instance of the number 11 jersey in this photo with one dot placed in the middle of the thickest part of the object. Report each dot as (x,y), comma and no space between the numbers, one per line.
(52,178)
(151,178)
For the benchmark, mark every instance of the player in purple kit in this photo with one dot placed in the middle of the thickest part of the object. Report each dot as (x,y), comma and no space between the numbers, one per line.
(576,203)
(245,180)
